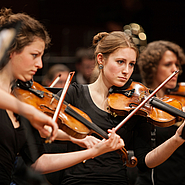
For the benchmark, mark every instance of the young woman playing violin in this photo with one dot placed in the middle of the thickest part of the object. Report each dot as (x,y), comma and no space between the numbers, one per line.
(24,60)
(116,55)
(159,60)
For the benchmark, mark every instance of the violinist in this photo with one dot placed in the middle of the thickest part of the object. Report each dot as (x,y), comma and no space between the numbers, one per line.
(17,136)
(159,60)
(116,55)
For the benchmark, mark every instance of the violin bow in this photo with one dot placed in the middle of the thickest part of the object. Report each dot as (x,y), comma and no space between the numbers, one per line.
(144,101)
(55,81)
(61,100)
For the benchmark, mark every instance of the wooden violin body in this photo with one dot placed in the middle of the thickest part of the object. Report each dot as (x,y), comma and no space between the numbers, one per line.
(178,93)
(45,101)
(123,102)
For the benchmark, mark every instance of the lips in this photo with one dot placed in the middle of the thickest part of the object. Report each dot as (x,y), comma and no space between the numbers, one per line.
(33,72)
(122,78)
(174,79)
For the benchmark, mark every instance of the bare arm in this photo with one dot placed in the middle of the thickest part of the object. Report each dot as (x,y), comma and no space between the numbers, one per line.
(87,142)
(53,162)
(165,150)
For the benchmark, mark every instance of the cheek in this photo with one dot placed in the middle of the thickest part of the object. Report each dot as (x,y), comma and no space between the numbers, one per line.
(160,77)
(20,62)
(162,74)
(112,69)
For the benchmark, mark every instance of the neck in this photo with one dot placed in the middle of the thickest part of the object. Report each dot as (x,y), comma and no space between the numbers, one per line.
(160,93)
(6,79)
(99,93)
(100,87)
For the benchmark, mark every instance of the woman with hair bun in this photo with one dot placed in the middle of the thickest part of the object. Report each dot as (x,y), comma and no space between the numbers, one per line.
(115,55)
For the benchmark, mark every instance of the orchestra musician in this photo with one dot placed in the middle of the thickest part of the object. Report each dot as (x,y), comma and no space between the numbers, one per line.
(159,60)
(17,136)
(116,56)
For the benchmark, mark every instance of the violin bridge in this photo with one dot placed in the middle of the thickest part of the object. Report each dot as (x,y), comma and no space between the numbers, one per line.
(142,95)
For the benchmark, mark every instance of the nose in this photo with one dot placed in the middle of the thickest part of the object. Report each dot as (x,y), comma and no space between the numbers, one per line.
(38,63)
(174,67)
(125,69)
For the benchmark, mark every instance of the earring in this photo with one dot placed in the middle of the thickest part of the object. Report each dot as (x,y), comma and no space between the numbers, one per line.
(100,66)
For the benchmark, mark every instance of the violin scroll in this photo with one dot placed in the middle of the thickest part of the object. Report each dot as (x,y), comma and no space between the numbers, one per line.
(128,158)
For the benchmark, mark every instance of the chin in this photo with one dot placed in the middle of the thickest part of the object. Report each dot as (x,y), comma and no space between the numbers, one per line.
(171,86)
(25,79)
(120,84)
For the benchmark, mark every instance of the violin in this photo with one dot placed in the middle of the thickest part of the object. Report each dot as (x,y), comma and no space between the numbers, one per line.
(71,120)
(34,94)
(162,112)
(178,93)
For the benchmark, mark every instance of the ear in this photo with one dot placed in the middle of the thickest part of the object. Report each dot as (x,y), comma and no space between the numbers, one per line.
(10,55)
(100,58)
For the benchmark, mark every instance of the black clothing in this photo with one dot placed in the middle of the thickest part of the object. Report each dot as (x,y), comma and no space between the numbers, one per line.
(15,141)
(172,171)
(107,168)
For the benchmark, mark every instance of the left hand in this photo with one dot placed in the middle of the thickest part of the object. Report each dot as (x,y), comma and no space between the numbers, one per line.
(181,131)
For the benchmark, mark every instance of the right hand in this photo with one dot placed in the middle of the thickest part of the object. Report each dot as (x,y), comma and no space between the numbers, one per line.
(113,143)
(38,120)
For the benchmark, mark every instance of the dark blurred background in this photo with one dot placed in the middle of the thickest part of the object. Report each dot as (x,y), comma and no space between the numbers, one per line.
(73,23)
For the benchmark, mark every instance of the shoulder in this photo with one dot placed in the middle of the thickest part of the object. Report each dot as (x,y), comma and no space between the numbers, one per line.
(76,87)
(73,88)
(75,91)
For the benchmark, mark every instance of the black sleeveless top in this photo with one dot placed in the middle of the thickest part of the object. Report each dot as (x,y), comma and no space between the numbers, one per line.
(107,168)
(24,141)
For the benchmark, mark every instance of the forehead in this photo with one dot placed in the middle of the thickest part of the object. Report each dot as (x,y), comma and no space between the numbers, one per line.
(126,53)
(37,44)
(169,56)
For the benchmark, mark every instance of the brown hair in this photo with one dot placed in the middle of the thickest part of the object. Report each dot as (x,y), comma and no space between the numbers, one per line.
(148,60)
(107,43)
(30,28)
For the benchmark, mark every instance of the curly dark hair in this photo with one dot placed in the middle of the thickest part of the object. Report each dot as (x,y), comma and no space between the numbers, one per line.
(148,60)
